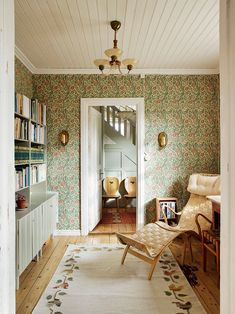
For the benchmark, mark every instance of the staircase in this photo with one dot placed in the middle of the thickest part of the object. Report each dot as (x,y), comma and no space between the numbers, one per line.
(119,127)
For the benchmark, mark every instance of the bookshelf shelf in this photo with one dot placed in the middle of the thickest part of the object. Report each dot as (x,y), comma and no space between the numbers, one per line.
(37,143)
(36,122)
(21,116)
(21,140)
(43,181)
(26,187)
(30,148)
(22,163)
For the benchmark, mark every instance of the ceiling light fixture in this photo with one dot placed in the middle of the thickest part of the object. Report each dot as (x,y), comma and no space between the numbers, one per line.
(114,53)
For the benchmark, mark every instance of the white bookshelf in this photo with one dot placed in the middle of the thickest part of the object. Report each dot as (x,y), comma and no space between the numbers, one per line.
(30,147)
(36,223)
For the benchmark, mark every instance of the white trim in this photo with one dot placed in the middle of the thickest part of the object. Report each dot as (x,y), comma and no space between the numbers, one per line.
(67,232)
(22,57)
(134,72)
(227,112)
(85,103)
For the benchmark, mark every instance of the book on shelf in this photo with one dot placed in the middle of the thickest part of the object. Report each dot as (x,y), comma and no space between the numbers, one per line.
(21,128)
(37,173)
(165,207)
(21,154)
(37,154)
(22,178)
(38,112)
(22,105)
(37,133)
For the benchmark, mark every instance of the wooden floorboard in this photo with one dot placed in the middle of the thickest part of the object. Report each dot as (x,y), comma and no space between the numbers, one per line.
(207,290)
(38,274)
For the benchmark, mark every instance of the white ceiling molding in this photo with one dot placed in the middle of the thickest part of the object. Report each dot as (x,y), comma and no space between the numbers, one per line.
(134,72)
(22,57)
(35,70)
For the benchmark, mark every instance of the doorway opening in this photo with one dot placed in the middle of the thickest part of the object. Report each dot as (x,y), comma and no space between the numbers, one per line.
(112,164)
(112,169)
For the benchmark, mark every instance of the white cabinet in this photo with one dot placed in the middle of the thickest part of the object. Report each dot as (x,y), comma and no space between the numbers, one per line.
(24,242)
(34,228)
(37,231)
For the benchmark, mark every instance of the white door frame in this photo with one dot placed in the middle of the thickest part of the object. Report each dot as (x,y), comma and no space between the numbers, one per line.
(85,103)
(7,205)
(227,148)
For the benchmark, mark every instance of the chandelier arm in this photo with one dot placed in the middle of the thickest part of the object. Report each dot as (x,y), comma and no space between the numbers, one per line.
(119,69)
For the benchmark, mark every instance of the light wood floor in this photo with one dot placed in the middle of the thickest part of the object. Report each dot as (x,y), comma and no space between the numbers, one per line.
(37,275)
(113,228)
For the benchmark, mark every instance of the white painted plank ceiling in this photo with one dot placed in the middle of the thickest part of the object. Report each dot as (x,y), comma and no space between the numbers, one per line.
(161,34)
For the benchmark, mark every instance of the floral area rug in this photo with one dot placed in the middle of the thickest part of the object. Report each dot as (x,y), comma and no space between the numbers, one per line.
(91,280)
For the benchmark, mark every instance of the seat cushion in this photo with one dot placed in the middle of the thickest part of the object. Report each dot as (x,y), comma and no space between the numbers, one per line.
(204,184)
(155,238)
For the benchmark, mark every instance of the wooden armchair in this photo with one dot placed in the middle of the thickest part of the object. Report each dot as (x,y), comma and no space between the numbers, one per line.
(149,242)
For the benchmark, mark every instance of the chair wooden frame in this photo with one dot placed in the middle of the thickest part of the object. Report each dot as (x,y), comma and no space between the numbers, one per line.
(130,194)
(145,256)
(197,207)
(111,194)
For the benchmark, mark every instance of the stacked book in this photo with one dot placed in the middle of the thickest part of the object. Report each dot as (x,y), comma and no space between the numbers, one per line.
(21,129)
(165,208)
(21,178)
(37,173)
(37,154)
(21,154)
(38,112)
(22,105)
(37,133)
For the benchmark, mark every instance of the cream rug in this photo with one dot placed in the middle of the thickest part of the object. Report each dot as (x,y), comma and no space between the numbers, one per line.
(91,280)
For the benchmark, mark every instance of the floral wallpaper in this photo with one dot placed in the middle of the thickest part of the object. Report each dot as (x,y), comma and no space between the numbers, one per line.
(23,79)
(185,107)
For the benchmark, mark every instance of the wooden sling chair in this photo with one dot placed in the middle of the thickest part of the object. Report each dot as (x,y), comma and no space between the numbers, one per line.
(149,242)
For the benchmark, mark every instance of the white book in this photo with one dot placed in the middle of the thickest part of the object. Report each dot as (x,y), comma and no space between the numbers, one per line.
(26,102)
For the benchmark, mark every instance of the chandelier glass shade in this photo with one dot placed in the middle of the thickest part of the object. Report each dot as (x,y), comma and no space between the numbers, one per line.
(114,54)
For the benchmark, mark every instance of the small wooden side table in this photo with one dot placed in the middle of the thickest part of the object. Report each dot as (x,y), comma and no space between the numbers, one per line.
(211,242)
(216,201)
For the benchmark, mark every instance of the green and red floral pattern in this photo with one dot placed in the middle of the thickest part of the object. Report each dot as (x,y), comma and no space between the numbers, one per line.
(185,107)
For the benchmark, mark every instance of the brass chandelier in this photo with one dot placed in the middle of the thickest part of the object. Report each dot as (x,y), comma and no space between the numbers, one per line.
(114,54)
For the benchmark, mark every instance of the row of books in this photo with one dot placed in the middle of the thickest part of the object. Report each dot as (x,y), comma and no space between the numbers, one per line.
(37,155)
(37,173)
(30,108)
(38,112)
(22,105)
(21,178)
(37,133)
(165,207)
(22,154)
(21,128)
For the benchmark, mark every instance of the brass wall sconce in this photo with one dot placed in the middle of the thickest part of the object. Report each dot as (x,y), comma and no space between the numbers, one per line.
(64,137)
(162,139)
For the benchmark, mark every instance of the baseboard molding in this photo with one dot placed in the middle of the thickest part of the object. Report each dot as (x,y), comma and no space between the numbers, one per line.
(67,233)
